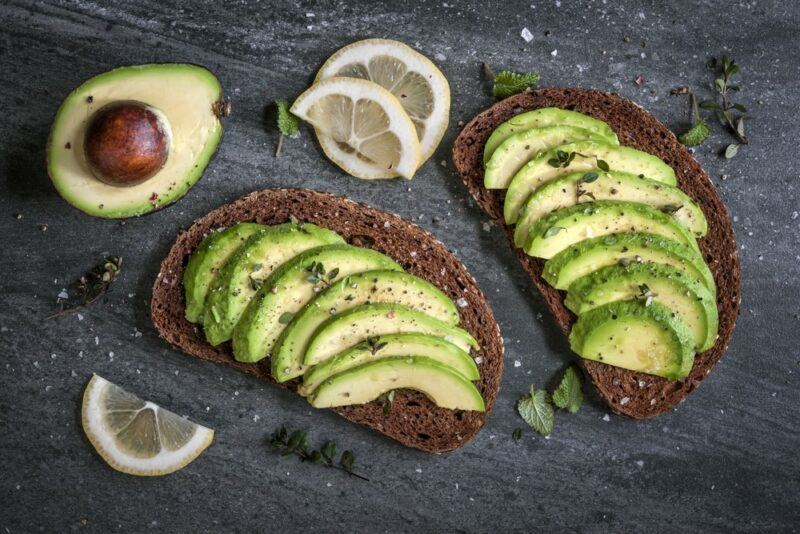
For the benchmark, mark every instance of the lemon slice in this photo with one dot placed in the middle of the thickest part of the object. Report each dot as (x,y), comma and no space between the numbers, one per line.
(365,117)
(411,77)
(138,437)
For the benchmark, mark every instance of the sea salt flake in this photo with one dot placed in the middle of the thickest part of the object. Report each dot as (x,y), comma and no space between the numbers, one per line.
(517,363)
(606,418)
(624,400)
(461,302)
(527,35)
(554,53)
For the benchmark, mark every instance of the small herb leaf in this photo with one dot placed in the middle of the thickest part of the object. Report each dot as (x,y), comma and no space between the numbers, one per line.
(517,434)
(288,123)
(569,393)
(508,83)
(537,410)
(731,150)
(286,318)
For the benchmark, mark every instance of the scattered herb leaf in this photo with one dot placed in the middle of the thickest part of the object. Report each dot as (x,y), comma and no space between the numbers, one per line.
(91,286)
(297,444)
(517,434)
(731,150)
(508,83)
(537,410)
(569,393)
(553,230)
(288,123)
(286,318)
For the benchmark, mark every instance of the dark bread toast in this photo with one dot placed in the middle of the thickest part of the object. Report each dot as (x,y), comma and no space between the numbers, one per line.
(413,420)
(636,395)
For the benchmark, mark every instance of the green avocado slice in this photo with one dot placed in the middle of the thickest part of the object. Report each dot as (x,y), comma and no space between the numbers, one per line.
(543,117)
(355,290)
(521,147)
(250,266)
(583,187)
(590,255)
(567,226)
(188,96)
(360,385)
(391,346)
(289,288)
(587,156)
(632,335)
(368,320)
(651,282)
(206,262)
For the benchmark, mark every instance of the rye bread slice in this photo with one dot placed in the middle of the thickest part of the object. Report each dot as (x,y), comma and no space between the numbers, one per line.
(413,419)
(636,395)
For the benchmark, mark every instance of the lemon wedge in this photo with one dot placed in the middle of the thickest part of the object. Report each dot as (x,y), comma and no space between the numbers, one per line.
(411,77)
(136,436)
(367,119)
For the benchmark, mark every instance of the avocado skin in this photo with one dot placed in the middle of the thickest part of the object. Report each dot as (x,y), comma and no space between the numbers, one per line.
(574,214)
(207,260)
(638,310)
(628,245)
(612,278)
(166,197)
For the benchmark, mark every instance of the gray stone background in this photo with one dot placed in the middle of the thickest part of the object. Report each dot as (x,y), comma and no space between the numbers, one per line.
(725,460)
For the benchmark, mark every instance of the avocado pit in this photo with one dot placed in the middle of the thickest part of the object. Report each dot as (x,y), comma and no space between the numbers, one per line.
(126,143)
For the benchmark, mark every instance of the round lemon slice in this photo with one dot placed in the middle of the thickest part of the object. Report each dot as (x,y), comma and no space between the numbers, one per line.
(412,78)
(365,117)
(136,436)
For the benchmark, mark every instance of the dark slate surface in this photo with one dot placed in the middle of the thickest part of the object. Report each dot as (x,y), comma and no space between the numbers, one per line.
(725,460)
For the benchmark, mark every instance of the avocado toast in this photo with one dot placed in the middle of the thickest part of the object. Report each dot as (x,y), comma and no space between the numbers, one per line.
(413,419)
(632,393)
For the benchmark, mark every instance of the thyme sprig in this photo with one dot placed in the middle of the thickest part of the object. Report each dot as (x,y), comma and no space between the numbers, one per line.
(91,286)
(296,444)
(727,108)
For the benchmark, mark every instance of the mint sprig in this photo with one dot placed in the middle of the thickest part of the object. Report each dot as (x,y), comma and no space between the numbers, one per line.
(537,410)
(288,123)
(508,83)
(569,393)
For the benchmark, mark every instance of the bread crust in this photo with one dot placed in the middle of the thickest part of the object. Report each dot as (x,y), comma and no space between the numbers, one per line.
(633,394)
(413,419)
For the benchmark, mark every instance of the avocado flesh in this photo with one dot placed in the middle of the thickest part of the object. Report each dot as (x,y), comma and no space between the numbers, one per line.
(567,226)
(544,117)
(184,94)
(207,260)
(365,383)
(671,287)
(520,148)
(288,289)
(574,189)
(619,158)
(355,290)
(392,346)
(358,324)
(589,255)
(629,334)
(238,280)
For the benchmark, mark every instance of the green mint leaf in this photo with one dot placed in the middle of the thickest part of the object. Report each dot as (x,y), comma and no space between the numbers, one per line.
(509,83)
(288,124)
(537,411)
(696,135)
(569,393)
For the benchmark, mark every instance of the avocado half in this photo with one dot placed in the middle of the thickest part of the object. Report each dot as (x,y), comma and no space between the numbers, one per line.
(190,99)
